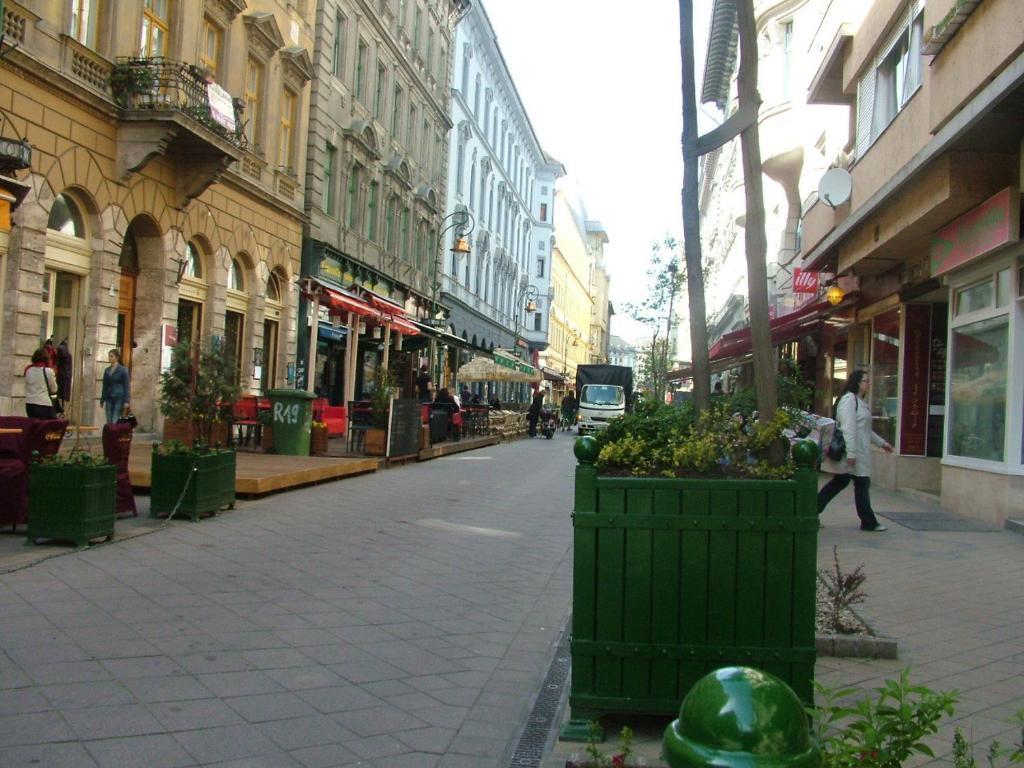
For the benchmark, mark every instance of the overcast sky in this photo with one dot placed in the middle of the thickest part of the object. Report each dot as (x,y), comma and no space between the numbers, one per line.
(600,82)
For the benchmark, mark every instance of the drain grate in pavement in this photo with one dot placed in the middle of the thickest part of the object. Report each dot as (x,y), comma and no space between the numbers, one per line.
(530,749)
(931,521)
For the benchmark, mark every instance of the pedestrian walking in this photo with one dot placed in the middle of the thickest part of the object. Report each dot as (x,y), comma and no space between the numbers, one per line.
(569,406)
(115,397)
(40,387)
(853,417)
(533,415)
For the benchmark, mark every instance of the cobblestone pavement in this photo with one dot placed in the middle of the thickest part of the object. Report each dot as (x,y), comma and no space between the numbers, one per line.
(404,618)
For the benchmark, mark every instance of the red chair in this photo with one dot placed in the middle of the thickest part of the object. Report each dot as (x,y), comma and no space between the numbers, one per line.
(318,408)
(336,419)
(244,416)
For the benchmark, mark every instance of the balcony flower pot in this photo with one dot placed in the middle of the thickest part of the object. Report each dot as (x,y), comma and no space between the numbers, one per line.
(318,439)
(191,482)
(72,499)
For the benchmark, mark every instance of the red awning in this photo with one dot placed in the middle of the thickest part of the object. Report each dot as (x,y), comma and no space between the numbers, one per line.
(340,300)
(385,305)
(734,347)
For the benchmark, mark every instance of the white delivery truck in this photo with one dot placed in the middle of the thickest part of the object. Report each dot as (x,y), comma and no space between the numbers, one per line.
(603,393)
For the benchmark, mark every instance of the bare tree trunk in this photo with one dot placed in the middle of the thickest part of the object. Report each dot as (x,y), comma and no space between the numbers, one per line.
(756,243)
(691,217)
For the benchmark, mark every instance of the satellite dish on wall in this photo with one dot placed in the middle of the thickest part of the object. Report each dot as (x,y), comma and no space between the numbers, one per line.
(835,187)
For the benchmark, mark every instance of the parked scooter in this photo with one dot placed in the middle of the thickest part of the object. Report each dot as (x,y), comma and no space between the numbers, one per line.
(548,423)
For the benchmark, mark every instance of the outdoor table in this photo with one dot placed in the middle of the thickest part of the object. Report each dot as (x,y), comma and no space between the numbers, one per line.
(8,431)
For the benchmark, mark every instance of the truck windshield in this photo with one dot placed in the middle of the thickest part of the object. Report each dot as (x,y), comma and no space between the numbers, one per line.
(601,394)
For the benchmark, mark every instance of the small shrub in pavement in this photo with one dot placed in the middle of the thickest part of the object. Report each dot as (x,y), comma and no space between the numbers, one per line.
(881,731)
(995,755)
(843,590)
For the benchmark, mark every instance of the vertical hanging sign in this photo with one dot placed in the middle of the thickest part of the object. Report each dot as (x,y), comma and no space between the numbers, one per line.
(914,409)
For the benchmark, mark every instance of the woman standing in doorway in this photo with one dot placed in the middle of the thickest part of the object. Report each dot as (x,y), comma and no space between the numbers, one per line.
(40,387)
(853,417)
(116,393)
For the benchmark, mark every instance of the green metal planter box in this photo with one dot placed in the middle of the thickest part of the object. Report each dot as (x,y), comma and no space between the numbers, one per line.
(68,503)
(212,486)
(673,578)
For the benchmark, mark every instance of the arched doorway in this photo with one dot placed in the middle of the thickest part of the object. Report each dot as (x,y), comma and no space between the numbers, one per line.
(128,261)
(273,315)
(236,309)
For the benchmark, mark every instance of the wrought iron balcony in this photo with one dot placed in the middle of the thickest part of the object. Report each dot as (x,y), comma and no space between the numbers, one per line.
(159,84)
(175,109)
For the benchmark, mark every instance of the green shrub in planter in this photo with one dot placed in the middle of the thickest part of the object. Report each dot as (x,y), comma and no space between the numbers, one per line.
(72,498)
(193,481)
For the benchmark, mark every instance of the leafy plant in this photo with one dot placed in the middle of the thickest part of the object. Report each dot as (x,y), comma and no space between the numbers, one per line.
(76,458)
(963,749)
(178,448)
(881,731)
(843,590)
(131,79)
(665,441)
(598,758)
(199,386)
(380,399)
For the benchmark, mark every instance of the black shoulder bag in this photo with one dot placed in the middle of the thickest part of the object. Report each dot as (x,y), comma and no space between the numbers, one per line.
(837,448)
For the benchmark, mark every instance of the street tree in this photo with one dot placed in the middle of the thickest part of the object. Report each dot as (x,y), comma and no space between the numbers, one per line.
(656,312)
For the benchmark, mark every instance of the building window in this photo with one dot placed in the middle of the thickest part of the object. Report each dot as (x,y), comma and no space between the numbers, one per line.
(417,22)
(286,138)
(411,127)
(253,102)
(538,321)
(193,262)
(378,94)
(543,211)
(885,90)
(403,236)
(540,266)
(371,211)
(979,356)
(476,98)
(389,224)
(83,21)
(353,198)
(360,84)
(787,56)
(338,45)
(885,363)
(329,160)
(155,28)
(472,183)
(540,246)
(396,111)
(213,43)
(460,167)
(429,61)
(236,277)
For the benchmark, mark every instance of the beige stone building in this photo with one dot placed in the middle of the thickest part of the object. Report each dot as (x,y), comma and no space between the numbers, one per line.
(165,201)
(927,245)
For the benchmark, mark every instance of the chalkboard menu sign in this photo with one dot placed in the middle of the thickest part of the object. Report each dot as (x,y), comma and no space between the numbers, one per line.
(405,427)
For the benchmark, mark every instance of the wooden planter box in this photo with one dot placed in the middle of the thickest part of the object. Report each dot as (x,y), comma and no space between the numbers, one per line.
(318,442)
(72,503)
(673,578)
(267,437)
(185,432)
(212,486)
(375,442)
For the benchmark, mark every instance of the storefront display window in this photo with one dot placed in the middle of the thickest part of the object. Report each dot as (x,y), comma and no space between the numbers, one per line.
(978,367)
(885,363)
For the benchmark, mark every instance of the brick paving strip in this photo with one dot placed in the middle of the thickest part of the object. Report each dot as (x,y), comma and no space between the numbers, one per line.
(398,619)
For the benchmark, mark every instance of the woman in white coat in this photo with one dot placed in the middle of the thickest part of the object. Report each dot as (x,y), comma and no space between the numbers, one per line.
(853,416)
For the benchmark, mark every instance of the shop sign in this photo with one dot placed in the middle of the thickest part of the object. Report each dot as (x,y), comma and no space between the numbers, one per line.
(331,269)
(914,410)
(804,281)
(170,335)
(991,225)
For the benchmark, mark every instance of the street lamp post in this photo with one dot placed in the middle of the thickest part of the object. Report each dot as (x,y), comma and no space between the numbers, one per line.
(575,336)
(526,303)
(463,223)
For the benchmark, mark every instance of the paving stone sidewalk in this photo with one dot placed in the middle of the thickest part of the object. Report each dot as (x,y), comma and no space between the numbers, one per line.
(399,619)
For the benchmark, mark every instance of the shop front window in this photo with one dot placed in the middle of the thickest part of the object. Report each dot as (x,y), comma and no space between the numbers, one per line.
(885,363)
(978,367)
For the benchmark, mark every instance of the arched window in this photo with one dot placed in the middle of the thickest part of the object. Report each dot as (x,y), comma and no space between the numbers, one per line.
(476,99)
(66,218)
(236,276)
(273,288)
(460,166)
(193,262)
(472,183)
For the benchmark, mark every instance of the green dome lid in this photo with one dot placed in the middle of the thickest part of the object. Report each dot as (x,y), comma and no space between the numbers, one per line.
(738,717)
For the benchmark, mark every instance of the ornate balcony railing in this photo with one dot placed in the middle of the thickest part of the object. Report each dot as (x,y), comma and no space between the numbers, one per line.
(158,84)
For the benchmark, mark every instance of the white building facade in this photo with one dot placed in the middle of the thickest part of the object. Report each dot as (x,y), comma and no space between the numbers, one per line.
(498,295)
(799,142)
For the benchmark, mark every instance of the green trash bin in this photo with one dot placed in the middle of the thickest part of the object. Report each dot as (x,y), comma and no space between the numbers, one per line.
(292,418)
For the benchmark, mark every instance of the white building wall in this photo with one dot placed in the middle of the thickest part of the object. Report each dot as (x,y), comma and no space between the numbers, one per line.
(499,173)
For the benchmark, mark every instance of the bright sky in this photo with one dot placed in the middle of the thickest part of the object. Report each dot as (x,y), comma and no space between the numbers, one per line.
(600,83)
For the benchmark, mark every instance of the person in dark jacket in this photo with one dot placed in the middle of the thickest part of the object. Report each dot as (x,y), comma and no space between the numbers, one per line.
(116,394)
(533,415)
